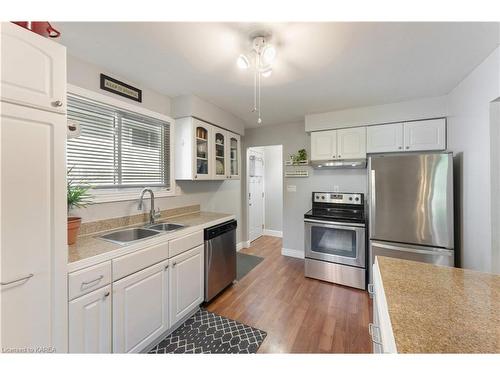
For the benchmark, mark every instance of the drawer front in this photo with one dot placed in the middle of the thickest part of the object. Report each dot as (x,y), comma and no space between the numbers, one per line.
(84,281)
(179,245)
(136,261)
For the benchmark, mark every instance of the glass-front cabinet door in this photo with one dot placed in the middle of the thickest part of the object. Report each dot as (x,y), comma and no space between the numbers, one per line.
(234,156)
(202,133)
(220,154)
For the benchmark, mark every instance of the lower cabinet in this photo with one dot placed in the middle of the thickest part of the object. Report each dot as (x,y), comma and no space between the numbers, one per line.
(90,322)
(186,283)
(140,308)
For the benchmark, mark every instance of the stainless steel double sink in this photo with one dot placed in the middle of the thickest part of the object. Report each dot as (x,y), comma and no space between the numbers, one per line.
(124,236)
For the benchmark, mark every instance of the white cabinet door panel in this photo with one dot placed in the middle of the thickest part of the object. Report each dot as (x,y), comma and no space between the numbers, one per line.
(351,143)
(324,145)
(186,283)
(234,156)
(140,308)
(90,322)
(425,135)
(33,195)
(33,69)
(384,138)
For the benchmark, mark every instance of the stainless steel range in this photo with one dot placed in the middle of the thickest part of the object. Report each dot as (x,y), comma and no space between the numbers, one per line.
(335,249)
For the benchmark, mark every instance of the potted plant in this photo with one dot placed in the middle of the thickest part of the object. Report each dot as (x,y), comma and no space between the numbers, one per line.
(78,197)
(301,155)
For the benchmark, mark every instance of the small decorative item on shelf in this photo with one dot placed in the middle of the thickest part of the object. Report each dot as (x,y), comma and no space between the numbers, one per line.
(78,197)
(296,166)
(299,157)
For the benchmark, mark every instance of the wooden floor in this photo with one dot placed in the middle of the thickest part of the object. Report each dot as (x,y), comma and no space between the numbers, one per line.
(300,315)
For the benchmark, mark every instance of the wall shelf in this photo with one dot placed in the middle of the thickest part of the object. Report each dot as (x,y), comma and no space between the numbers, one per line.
(296,169)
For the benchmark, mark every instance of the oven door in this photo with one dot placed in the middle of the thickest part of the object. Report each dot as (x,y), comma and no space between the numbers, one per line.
(335,242)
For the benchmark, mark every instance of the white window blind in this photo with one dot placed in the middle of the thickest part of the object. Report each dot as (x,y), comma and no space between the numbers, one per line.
(117,148)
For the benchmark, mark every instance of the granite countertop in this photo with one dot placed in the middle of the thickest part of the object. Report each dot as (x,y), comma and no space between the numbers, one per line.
(435,309)
(89,246)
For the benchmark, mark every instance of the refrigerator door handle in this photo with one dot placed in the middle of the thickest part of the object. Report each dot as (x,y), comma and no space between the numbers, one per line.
(434,251)
(373,202)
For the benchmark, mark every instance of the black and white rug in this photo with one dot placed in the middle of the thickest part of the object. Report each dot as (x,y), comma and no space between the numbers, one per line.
(207,332)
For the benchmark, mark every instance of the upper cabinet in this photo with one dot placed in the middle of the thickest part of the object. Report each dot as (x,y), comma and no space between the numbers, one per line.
(425,135)
(205,152)
(347,143)
(33,69)
(324,145)
(351,143)
(384,138)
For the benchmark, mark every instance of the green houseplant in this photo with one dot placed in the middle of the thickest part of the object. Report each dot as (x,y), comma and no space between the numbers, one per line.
(78,197)
(301,155)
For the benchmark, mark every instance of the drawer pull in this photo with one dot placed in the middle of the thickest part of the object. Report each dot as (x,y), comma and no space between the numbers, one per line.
(175,263)
(88,284)
(166,267)
(106,294)
(371,290)
(18,280)
(371,331)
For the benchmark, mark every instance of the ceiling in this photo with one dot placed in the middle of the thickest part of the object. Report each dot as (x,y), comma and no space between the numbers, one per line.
(319,66)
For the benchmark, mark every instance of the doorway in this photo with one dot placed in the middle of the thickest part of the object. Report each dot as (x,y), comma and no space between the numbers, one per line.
(265,191)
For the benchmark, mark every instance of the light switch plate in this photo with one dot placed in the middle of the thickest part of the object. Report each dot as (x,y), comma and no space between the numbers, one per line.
(291,188)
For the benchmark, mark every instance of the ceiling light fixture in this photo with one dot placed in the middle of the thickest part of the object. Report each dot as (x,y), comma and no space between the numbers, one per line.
(263,58)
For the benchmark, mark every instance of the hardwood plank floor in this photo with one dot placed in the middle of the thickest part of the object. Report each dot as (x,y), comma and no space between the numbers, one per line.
(300,315)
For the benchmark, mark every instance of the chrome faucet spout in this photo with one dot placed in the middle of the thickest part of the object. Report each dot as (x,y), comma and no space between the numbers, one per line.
(152,212)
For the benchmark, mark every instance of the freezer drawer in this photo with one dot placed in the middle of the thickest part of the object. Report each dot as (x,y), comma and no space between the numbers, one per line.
(432,255)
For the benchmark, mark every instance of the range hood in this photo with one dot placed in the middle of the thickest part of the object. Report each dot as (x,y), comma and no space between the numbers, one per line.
(337,164)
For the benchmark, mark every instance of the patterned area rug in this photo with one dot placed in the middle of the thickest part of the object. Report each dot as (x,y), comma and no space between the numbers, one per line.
(207,332)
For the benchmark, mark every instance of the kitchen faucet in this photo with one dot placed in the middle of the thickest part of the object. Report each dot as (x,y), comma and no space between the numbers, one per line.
(152,213)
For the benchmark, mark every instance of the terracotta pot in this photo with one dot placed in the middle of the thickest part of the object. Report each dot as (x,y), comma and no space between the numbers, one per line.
(73,228)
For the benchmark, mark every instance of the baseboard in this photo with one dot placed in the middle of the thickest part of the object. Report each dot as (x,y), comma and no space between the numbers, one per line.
(273,233)
(292,253)
(242,245)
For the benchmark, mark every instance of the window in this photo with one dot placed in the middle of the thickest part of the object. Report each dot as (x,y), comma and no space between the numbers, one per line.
(117,148)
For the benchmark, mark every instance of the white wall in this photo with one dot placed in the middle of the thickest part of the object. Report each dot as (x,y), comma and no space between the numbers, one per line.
(217,196)
(495,185)
(418,109)
(273,188)
(469,138)
(193,106)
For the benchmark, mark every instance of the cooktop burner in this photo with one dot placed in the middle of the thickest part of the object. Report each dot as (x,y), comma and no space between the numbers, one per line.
(340,207)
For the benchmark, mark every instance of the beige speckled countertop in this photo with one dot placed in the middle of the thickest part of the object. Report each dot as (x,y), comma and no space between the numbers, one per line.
(436,309)
(90,247)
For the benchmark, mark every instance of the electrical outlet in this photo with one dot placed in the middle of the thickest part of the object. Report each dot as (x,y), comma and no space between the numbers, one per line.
(291,188)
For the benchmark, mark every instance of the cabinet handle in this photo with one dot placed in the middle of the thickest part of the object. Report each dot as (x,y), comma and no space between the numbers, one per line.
(371,291)
(57,103)
(407,147)
(400,147)
(175,263)
(85,283)
(195,176)
(340,156)
(333,156)
(18,280)
(371,331)
(166,267)
(106,294)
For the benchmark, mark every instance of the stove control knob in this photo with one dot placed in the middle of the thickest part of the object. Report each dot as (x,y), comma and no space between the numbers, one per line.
(322,197)
(356,199)
(350,198)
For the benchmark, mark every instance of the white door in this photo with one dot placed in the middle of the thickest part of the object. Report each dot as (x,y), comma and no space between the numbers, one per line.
(90,322)
(220,152)
(324,145)
(384,138)
(33,69)
(140,308)
(351,143)
(186,283)
(425,135)
(255,194)
(203,138)
(33,228)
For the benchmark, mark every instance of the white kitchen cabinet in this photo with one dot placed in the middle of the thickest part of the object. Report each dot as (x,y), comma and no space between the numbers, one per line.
(220,154)
(186,283)
(351,143)
(324,145)
(384,138)
(33,196)
(90,322)
(425,135)
(233,158)
(33,69)
(140,308)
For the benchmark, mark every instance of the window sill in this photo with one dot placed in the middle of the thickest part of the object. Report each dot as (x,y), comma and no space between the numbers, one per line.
(120,195)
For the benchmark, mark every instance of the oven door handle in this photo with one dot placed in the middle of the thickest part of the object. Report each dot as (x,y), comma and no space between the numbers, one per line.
(335,223)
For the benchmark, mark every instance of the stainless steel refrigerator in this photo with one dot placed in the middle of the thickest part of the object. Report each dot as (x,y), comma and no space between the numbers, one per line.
(411,207)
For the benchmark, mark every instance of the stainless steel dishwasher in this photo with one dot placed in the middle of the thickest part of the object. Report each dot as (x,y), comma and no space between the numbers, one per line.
(220,258)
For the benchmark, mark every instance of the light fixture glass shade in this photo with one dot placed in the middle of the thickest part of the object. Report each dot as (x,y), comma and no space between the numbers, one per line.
(268,54)
(242,62)
(267,73)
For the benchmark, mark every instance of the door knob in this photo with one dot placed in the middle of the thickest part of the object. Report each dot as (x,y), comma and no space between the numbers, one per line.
(57,103)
